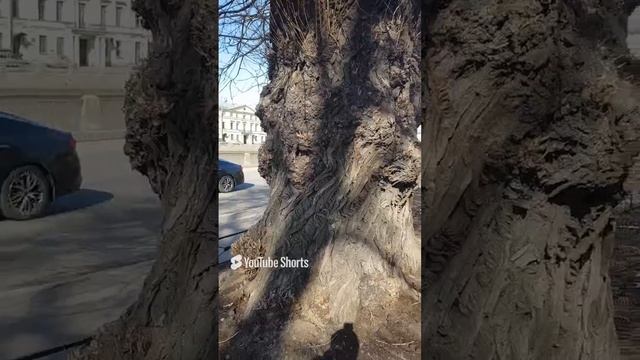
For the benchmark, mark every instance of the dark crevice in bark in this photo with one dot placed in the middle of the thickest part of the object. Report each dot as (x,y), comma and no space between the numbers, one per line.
(581,199)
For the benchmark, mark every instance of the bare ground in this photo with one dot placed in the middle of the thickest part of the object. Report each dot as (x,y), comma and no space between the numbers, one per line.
(311,342)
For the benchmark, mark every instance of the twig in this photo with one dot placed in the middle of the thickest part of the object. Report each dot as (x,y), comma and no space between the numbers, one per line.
(316,346)
(232,336)
(396,344)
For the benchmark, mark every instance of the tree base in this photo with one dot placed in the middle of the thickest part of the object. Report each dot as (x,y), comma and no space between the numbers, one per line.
(350,295)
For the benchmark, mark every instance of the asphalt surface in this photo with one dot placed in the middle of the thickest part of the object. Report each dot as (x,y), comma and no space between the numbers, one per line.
(240,209)
(66,274)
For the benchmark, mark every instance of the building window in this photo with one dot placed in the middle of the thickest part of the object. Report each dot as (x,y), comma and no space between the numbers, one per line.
(84,52)
(60,47)
(15,9)
(118,49)
(138,22)
(59,7)
(137,52)
(81,9)
(103,15)
(0,40)
(41,4)
(108,47)
(119,16)
(43,44)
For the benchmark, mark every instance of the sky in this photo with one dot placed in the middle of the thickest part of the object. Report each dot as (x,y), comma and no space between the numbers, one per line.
(237,97)
(244,91)
(246,88)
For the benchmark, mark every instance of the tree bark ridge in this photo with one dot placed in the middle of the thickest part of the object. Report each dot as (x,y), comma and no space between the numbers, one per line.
(527,119)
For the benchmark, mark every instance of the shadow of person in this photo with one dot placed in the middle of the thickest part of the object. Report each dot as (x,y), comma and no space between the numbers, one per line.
(344,345)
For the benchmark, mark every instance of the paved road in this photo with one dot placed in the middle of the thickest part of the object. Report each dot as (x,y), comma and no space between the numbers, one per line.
(240,209)
(66,274)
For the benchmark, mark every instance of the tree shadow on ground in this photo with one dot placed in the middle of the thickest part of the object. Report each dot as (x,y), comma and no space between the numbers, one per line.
(70,281)
(344,345)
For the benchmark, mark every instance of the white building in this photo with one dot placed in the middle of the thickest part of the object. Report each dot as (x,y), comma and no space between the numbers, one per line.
(77,33)
(239,125)
(633,35)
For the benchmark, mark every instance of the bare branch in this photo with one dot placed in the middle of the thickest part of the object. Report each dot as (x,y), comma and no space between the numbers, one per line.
(243,43)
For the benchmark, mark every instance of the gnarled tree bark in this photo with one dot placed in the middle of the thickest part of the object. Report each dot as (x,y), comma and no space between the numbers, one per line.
(527,121)
(171,138)
(342,159)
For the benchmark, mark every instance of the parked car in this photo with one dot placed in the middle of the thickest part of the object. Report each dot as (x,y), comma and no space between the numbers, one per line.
(230,175)
(37,165)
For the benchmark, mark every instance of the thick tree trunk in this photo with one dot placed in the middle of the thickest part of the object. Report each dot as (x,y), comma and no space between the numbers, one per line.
(342,160)
(527,119)
(171,139)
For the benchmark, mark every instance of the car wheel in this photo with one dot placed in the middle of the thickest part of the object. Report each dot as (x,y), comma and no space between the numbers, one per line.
(25,194)
(226,184)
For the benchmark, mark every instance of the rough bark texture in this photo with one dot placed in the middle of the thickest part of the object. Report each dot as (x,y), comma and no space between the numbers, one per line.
(527,124)
(342,160)
(171,139)
(624,280)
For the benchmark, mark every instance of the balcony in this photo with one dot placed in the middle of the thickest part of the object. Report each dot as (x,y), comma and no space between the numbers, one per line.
(89,29)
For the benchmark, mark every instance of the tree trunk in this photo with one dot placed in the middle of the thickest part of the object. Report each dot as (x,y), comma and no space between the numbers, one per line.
(342,160)
(527,121)
(171,138)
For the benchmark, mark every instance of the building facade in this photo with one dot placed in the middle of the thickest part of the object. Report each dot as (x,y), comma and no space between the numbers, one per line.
(633,33)
(239,125)
(73,33)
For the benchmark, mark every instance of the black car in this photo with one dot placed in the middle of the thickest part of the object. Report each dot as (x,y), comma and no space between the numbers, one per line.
(230,175)
(37,164)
